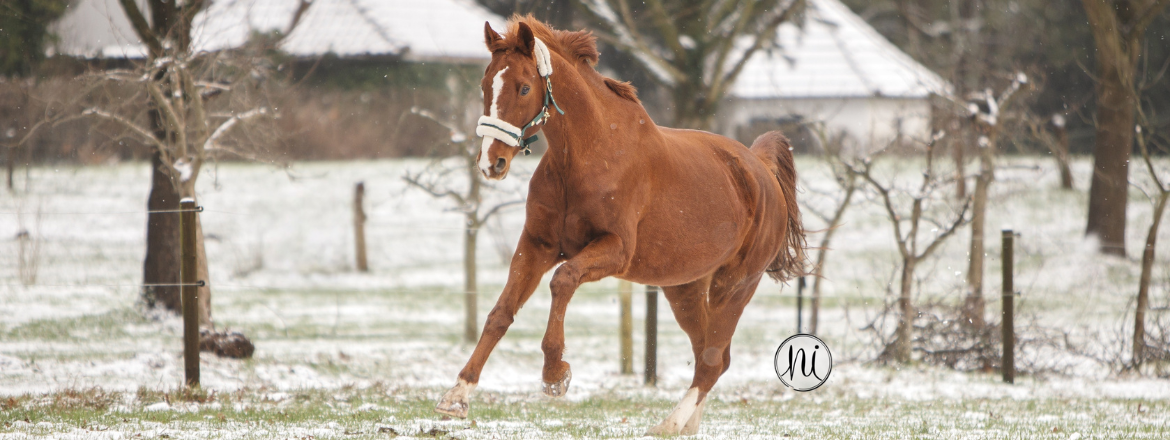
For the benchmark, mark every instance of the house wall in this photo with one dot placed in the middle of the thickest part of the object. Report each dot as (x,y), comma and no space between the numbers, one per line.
(867,123)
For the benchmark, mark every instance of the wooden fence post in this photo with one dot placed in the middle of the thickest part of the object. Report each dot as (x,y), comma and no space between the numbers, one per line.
(189,291)
(651,374)
(1008,320)
(359,227)
(626,326)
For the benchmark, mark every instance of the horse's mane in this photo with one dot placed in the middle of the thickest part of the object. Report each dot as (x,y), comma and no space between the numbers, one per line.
(580,46)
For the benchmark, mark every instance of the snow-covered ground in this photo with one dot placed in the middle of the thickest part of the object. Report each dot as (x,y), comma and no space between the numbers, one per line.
(280,246)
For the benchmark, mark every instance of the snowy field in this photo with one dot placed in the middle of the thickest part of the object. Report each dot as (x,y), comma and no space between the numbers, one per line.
(341,354)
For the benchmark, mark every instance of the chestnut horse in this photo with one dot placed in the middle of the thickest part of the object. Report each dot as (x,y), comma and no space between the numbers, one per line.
(616,195)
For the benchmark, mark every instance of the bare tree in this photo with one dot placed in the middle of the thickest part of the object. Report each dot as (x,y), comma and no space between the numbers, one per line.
(694,49)
(1119,30)
(1053,133)
(1147,137)
(439,179)
(911,250)
(988,113)
(185,128)
(840,200)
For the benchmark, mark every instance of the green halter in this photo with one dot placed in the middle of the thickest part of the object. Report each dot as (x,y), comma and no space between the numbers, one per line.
(540,117)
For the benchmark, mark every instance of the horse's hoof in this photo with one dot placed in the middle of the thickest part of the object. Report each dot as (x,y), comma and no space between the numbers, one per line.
(560,388)
(684,419)
(455,402)
(692,426)
(663,429)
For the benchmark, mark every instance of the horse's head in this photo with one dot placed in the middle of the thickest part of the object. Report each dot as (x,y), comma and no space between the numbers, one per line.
(516,98)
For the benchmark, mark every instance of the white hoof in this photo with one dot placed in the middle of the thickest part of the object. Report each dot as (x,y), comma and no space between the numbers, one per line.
(679,418)
(560,388)
(455,402)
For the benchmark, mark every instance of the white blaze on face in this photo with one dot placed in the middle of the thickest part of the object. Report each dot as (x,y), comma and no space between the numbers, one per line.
(493,111)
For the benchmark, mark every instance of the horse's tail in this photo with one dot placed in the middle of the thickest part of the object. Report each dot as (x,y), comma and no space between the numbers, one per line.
(773,148)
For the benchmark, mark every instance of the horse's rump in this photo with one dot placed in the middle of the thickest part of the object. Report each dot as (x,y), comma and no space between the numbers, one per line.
(776,152)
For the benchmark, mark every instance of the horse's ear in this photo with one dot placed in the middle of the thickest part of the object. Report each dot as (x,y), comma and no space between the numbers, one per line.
(527,40)
(490,37)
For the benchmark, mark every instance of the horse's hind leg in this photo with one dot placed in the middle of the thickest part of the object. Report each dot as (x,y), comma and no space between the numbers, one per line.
(601,258)
(689,304)
(710,321)
(528,265)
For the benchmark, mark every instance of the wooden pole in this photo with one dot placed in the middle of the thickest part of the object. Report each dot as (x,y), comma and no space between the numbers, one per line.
(626,326)
(651,375)
(799,303)
(1009,332)
(359,227)
(188,290)
(10,165)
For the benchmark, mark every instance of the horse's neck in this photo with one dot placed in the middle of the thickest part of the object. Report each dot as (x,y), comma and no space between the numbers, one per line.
(588,114)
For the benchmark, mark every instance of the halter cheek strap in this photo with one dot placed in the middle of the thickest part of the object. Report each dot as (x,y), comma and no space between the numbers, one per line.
(496,128)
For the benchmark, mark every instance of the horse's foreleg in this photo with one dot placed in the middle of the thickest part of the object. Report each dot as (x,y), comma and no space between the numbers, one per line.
(601,258)
(529,263)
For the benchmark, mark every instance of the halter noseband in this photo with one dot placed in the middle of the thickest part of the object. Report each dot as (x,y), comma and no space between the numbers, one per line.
(499,129)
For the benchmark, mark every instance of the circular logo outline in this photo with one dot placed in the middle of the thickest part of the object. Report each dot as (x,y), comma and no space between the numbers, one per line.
(776,358)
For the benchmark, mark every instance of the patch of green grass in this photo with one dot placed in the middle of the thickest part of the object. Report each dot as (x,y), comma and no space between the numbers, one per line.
(103,326)
(380,411)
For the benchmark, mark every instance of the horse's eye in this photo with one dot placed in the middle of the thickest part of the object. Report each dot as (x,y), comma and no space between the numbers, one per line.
(524,90)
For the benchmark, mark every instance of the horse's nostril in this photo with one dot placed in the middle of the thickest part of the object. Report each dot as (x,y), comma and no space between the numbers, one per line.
(500,163)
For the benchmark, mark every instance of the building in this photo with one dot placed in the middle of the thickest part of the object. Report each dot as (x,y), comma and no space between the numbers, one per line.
(836,75)
(427,31)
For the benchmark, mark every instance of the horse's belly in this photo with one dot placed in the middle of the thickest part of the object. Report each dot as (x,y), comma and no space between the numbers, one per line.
(676,249)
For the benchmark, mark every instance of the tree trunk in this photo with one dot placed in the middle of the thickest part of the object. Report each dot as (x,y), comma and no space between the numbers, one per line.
(1117,56)
(1109,191)
(691,109)
(1143,298)
(204,275)
(470,291)
(1066,180)
(470,294)
(161,265)
(974,305)
(960,162)
(10,165)
(900,348)
(823,251)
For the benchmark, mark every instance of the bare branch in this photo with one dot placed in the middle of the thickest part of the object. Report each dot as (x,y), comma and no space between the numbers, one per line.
(432,190)
(141,27)
(497,208)
(141,132)
(959,221)
(1143,21)
(172,117)
(884,192)
(630,41)
(213,140)
(296,18)
(765,36)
